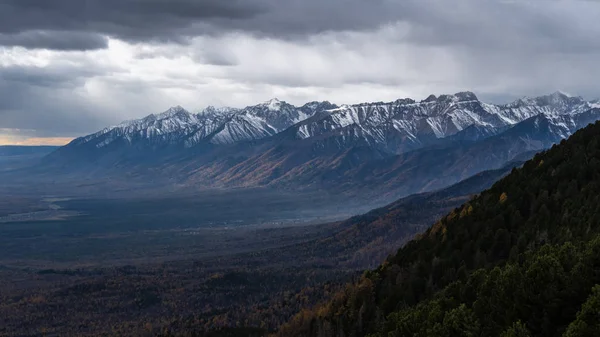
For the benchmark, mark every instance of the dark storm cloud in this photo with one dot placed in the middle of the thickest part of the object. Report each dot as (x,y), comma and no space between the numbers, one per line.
(43,99)
(516,25)
(48,111)
(216,58)
(538,25)
(132,20)
(178,20)
(57,40)
(50,77)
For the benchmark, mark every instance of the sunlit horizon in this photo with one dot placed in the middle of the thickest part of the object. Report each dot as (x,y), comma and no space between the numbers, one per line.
(34,141)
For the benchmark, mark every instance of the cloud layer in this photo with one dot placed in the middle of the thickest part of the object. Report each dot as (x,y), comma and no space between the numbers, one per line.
(70,67)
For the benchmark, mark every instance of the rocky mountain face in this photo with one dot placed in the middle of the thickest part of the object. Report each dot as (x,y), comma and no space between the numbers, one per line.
(404,146)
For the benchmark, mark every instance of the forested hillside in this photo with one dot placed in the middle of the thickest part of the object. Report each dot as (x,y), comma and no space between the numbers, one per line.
(520,259)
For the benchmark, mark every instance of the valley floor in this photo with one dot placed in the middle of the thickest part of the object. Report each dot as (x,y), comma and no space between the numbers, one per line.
(165,263)
(73,266)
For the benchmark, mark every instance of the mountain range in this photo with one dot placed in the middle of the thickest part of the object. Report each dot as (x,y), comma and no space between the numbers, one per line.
(391,149)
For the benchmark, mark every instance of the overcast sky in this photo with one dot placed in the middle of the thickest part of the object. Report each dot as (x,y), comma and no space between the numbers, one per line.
(71,67)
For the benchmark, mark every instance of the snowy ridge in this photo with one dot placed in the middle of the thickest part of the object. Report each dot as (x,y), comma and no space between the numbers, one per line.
(415,123)
(395,126)
(219,126)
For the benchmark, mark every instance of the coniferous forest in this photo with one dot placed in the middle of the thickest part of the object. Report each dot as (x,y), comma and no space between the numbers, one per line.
(520,259)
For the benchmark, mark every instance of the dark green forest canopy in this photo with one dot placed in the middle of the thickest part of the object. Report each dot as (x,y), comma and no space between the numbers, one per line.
(520,259)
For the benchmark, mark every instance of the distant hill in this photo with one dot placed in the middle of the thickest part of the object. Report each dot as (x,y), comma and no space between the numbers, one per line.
(17,150)
(21,157)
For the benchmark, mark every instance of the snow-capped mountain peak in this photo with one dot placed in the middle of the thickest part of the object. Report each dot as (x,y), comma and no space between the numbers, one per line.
(560,93)
(465,96)
(395,126)
(273,104)
(176,112)
(404,124)
(173,111)
(211,125)
(211,111)
(430,98)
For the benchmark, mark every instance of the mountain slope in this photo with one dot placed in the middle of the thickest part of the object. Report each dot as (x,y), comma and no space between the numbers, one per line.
(365,240)
(301,164)
(519,259)
(397,148)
